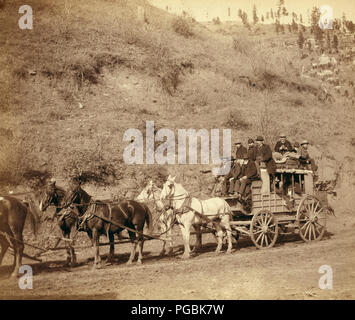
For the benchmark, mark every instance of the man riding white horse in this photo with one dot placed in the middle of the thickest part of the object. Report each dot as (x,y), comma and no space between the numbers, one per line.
(192,211)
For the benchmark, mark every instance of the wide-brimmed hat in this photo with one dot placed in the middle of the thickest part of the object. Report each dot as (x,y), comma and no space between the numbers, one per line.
(237,142)
(259,138)
(304,142)
(282,136)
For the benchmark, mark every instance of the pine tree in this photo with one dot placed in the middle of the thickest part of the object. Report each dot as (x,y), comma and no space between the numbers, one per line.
(294,25)
(255,16)
(335,42)
(300,40)
(329,43)
(262,18)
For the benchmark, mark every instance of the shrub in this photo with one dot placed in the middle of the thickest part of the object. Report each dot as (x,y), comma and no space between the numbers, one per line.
(236,121)
(182,27)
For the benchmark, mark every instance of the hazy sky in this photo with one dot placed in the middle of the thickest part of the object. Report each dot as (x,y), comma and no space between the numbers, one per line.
(202,9)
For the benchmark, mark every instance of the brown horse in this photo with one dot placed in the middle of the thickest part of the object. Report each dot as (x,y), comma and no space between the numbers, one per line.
(100,218)
(54,196)
(13,213)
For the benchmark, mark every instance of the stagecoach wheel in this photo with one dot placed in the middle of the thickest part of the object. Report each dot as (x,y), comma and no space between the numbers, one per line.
(264,229)
(311,218)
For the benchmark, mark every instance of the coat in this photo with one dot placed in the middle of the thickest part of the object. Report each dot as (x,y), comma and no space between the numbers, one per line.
(283,147)
(252,153)
(264,154)
(249,170)
(234,171)
(241,152)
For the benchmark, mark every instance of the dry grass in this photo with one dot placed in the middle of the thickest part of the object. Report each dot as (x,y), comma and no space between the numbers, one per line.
(123,71)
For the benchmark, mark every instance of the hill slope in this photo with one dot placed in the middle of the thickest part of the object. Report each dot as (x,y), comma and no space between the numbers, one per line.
(90,70)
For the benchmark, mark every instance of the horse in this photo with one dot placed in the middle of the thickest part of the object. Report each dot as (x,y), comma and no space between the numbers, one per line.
(166,217)
(13,213)
(101,218)
(54,196)
(192,211)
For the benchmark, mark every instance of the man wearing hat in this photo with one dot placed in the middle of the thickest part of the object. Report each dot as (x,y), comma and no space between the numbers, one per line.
(230,178)
(282,146)
(240,150)
(264,154)
(248,173)
(304,156)
(251,149)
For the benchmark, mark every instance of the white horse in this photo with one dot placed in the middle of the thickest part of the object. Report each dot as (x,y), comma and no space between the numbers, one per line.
(196,212)
(166,217)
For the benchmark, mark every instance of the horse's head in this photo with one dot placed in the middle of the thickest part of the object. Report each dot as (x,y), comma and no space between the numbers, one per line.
(168,188)
(49,196)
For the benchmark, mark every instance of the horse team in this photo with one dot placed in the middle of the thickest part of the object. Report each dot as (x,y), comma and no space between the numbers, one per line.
(76,209)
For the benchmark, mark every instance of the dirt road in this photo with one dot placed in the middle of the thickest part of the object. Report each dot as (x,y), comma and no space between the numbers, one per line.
(287,271)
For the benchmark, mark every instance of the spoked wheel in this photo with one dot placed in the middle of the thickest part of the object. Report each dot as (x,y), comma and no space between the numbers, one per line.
(311,218)
(264,229)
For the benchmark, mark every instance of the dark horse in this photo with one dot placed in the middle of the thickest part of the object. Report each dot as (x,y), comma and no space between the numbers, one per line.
(13,214)
(54,195)
(96,217)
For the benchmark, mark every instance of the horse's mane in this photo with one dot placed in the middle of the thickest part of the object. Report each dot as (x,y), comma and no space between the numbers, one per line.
(181,187)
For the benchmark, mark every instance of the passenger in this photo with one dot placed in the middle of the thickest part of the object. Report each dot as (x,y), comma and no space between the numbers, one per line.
(251,149)
(304,156)
(282,146)
(263,154)
(240,150)
(247,175)
(229,178)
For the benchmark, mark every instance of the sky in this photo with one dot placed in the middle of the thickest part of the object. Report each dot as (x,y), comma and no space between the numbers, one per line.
(206,10)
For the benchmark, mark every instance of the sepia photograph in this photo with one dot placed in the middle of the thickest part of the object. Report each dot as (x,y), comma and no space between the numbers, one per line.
(184,150)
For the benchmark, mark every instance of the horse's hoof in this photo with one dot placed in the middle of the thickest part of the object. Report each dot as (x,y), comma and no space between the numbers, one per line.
(217,253)
(228,251)
(129,262)
(185,257)
(139,262)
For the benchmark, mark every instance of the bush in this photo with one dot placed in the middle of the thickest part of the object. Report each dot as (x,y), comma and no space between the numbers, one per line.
(182,27)
(235,121)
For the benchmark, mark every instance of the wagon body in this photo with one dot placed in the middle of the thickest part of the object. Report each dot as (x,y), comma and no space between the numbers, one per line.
(292,204)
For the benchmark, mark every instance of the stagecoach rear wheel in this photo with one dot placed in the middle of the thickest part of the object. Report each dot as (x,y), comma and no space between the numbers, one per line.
(264,229)
(311,218)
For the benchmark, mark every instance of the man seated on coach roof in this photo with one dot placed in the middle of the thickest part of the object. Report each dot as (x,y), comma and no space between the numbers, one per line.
(263,153)
(229,178)
(251,149)
(283,145)
(248,174)
(304,156)
(240,150)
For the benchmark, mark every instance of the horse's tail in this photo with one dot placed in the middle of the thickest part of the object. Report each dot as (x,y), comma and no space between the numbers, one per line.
(32,212)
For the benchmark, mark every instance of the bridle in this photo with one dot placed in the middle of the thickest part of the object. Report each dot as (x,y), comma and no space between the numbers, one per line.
(171,197)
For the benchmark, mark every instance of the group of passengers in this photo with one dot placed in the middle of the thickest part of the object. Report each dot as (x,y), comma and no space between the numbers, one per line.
(248,161)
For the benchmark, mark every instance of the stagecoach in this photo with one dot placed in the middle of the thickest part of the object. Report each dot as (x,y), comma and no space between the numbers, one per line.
(287,205)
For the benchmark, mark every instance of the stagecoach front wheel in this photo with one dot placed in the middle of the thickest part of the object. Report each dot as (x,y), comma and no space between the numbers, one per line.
(311,218)
(264,229)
